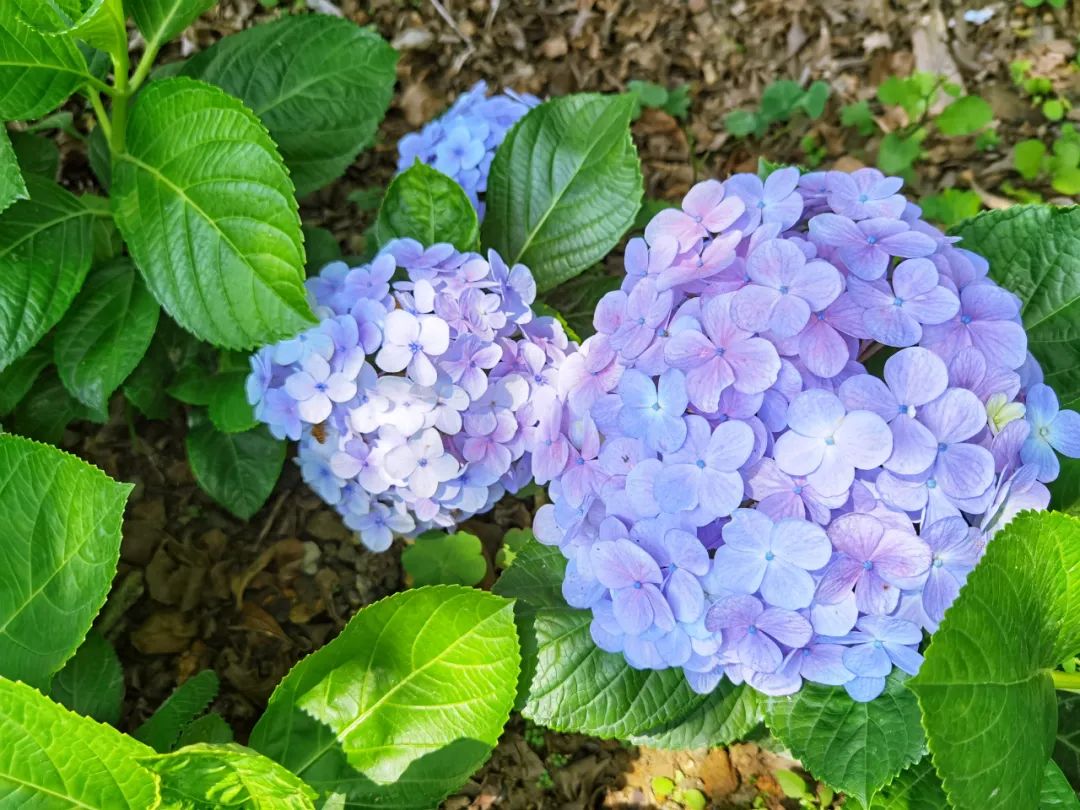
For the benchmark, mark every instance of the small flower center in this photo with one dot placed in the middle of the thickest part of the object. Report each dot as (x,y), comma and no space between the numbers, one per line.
(637,586)
(751,630)
(656,406)
(414,347)
(769,556)
(898,302)
(422,462)
(720,351)
(797,489)
(863,198)
(320,386)
(784,289)
(871,240)
(580,461)
(931,484)
(700,463)
(867,565)
(938,562)
(965,319)
(1044,432)
(760,203)
(830,441)
(641,321)
(877,644)
(942,447)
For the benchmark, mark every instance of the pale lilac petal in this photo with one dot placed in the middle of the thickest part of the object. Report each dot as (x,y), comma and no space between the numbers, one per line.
(901,556)
(752,306)
(838,580)
(914,447)
(964,470)
(816,412)
(893,326)
(705,383)
(824,663)
(822,348)
(759,652)
(801,543)
(1005,341)
(867,661)
(741,571)
(787,586)
(1064,434)
(863,690)
(799,455)
(866,393)
(954,416)
(835,475)
(719,493)
(864,439)
(755,364)
(786,626)
(916,376)
(789,315)
(633,610)
(729,446)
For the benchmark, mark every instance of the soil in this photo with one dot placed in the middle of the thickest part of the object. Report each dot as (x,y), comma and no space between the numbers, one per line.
(200,589)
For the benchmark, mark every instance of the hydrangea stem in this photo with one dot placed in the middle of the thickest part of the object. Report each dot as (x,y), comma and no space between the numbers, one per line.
(1066,681)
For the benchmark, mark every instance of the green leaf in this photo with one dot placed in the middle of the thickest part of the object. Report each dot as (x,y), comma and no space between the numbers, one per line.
(564,187)
(791,784)
(228,407)
(964,116)
(1032,250)
(45,250)
(1067,747)
(572,684)
(1028,158)
(107,241)
(859,116)
(37,155)
(779,99)
(1053,109)
(238,470)
(951,206)
(52,757)
(321,247)
(1057,793)
(208,777)
(210,728)
(190,699)
(37,72)
(897,153)
(917,788)
(404,705)
(814,99)
(59,545)
(426,205)
(99,23)
(12,185)
(728,715)
(47,409)
(853,747)
(1066,180)
(17,379)
(985,689)
(438,558)
(161,20)
(92,681)
(321,85)
(742,123)
(105,333)
(207,210)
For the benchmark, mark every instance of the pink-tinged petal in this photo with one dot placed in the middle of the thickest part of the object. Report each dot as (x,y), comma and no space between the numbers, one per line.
(797,454)
(674,224)
(900,557)
(866,393)
(755,364)
(916,376)
(954,416)
(1005,341)
(934,307)
(688,348)
(775,263)
(857,535)
(835,230)
(741,571)
(874,595)
(787,586)
(729,446)
(802,543)
(822,348)
(964,470)
(752,306)
(869,294)
(621,563)
(786,626)
(892,326)
(733,612)
(835,475)
(703,197)
(633,610)
(663,617)
(789,316)
(723,215)
(706,382)
(838,580)
(914,447)
(864,439)
(819,284)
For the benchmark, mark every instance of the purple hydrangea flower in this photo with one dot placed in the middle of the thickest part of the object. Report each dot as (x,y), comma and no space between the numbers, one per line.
(877,643)
(866,247)
(754,632)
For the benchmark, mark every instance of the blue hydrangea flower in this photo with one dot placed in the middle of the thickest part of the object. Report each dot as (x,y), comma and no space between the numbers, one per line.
(462,142)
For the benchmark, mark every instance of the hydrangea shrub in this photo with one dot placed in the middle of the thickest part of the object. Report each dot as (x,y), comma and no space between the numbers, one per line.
(413,398)
(462,142)
(801,419)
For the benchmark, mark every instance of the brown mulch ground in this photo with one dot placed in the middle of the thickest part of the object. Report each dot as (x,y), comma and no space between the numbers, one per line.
(199,589)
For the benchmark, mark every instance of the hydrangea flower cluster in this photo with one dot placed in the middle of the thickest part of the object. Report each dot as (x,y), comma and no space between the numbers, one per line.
(462,142)
(736,492)
(413,399)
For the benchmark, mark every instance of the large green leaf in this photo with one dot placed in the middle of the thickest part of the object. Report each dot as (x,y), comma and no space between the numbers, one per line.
(45,250)
(438,558)
(404,705)
(426,205)
(320,84)
(729,714)
(985,689)
(59,544)
(12,185)
(161,20)
(564,187)
(100,23)
(1057,793)
(37,155)
(37,71)
(53,758)
(573,685)
(207,210)
(1033,251)
(92,681)
(1067,747)
(190,699)
(917,788)
(209,777)
(105,333)
(853,747)
(47,409)
(238,470)
(16,379)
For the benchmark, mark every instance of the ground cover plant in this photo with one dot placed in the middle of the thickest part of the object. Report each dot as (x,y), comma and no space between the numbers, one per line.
(806,454)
